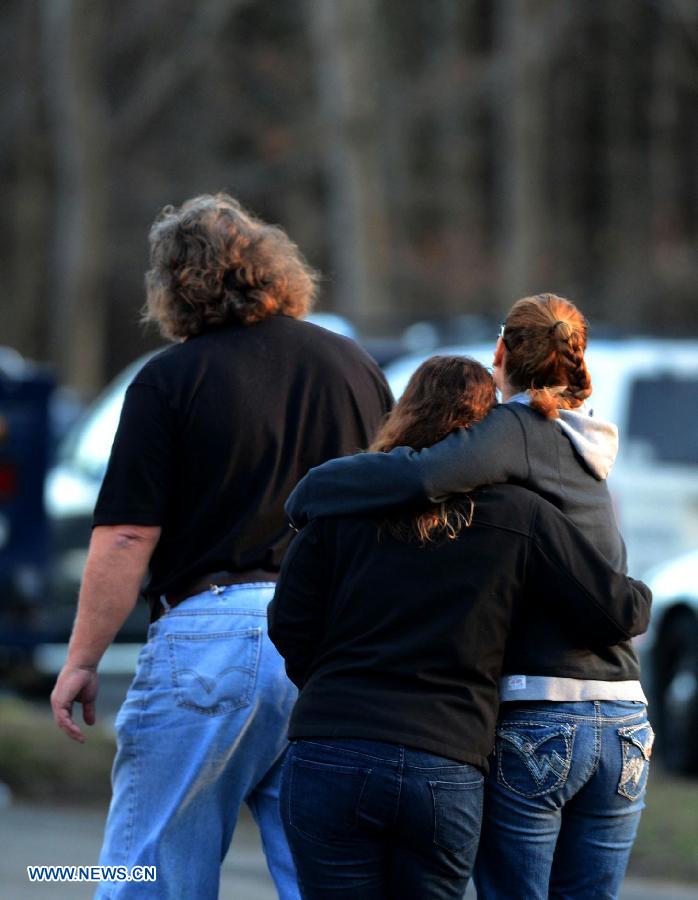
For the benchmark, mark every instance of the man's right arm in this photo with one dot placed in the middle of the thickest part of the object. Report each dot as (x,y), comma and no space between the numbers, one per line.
(135,490)
(493,450)
(116,565)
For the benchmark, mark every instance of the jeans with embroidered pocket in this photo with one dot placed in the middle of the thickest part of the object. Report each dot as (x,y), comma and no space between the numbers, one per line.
(563,799)
(371,820)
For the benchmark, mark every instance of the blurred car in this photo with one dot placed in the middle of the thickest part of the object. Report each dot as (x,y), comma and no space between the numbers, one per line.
(670,661)
(425,335)
(25,445)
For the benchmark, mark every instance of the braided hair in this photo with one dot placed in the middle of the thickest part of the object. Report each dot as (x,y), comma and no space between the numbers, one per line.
(545,337)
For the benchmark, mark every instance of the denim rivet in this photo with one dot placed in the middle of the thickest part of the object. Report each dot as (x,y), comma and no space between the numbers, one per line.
(527,747)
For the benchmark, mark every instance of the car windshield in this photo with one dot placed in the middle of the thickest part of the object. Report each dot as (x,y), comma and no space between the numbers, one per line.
(662,424)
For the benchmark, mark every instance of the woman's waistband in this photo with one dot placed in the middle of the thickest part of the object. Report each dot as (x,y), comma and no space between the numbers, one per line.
(567,690)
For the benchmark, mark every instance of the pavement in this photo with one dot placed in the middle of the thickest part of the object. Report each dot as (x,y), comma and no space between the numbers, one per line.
(41,835)
(53,835)
(38,835)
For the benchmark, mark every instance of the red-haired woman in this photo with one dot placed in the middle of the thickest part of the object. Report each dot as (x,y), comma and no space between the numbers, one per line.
(567,786)
(394,629)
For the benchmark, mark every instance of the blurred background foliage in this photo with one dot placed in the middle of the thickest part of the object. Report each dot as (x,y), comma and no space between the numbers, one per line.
(431,158)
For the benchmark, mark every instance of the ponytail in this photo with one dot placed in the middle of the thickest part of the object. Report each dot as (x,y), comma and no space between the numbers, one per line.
(546,337)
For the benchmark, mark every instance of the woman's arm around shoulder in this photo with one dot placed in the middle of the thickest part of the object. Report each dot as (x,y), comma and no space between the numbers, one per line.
(577,584)
(493,450)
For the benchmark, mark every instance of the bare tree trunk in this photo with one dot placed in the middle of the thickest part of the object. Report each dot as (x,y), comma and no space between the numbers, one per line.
(25,327)
(164,77)
(458,187)
(664,148)
(396,120)
(344,32)
(627,236)
(72,44)
(570,248)
(673,260)
(521,146)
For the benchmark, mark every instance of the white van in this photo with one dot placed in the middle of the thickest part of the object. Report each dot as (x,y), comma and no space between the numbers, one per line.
(649,388)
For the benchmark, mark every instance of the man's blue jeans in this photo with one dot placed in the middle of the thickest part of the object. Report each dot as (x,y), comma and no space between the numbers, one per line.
(368,820)
(563,800)
(203,728)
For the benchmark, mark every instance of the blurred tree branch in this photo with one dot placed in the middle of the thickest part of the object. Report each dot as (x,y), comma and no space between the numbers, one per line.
(71,41)
(166,76)
(345,56)
(433,158)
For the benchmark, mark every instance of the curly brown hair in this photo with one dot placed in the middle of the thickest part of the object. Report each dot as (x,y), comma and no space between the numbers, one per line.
(545,337)
(212,262)
(444,393)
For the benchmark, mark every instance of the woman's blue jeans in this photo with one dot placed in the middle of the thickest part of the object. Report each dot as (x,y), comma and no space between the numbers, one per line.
(563,800)
(369,820)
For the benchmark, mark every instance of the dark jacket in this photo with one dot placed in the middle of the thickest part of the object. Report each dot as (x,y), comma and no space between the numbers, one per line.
(393,641)
(513,443)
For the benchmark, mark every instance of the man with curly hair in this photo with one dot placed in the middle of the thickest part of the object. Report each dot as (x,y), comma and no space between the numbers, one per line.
(215,432)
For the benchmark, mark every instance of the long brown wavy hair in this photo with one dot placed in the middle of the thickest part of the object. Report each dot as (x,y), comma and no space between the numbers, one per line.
(212,262)
(545,337)
(444,393)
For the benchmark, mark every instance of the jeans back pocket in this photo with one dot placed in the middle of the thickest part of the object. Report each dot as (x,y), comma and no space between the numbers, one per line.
(457,813)
(534,758)
(214,673)
(324,799)
(636,743)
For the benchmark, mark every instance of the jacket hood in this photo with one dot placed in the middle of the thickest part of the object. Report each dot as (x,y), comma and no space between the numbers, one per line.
(595,440)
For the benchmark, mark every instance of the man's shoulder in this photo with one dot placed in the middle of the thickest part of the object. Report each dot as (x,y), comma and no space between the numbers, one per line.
(282,329)
(339,360)
(335,347)
(155,370)
(280,342)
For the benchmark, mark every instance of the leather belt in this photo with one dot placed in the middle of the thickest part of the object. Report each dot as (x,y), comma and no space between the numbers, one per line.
(211,581)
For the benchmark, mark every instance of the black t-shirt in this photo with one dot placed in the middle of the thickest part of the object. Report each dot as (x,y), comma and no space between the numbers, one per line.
(217,430)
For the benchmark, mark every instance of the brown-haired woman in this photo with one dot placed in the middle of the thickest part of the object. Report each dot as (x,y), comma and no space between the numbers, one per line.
(560,815)
(394,629)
